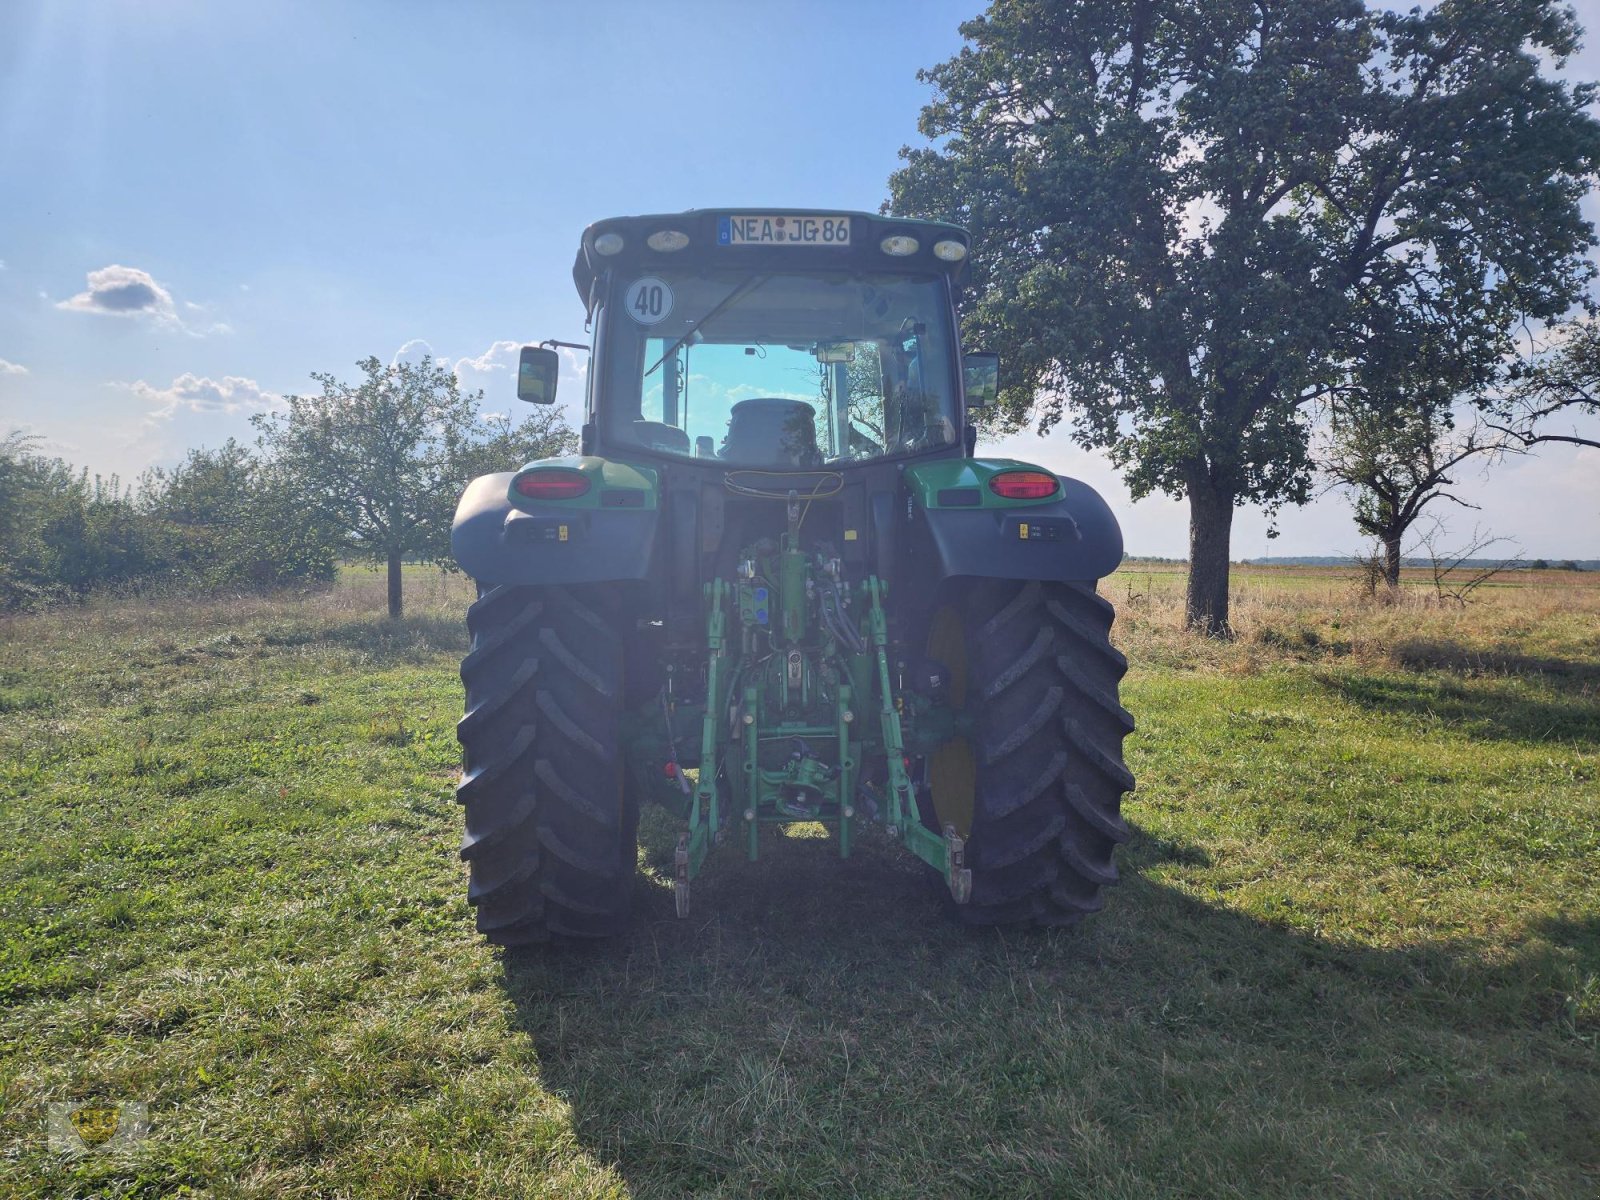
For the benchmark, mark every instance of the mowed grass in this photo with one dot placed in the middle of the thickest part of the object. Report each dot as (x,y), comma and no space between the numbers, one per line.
(1356,949)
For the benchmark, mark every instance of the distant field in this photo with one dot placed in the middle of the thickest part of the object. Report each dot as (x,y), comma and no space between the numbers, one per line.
(1356,949)
(1262,578)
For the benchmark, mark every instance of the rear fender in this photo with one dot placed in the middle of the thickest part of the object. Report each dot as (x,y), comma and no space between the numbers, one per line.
(959,526)
(606,534)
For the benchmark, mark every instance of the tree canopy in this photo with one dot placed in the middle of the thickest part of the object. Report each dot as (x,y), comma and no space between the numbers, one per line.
(385,459)
(1189,219)
(230,518)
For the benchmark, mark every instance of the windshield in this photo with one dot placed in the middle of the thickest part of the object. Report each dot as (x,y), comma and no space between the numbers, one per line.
(776,370)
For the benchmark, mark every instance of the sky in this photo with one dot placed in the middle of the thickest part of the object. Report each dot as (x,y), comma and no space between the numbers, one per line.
(202,202)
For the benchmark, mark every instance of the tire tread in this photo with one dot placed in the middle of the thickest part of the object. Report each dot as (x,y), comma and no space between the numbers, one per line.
(1048,740)
(549,858)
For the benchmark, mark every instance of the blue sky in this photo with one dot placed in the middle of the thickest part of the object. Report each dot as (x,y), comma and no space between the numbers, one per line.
(289,187)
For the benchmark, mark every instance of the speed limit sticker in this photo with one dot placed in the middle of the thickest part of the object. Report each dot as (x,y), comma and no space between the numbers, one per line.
(648,300)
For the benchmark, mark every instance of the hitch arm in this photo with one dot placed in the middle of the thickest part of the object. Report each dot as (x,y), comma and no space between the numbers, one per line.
(946,854)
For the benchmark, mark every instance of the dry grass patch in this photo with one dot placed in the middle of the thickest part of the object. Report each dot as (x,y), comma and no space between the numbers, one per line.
(1528,622)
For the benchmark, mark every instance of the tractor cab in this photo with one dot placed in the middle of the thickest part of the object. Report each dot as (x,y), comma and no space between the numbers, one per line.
(780,341)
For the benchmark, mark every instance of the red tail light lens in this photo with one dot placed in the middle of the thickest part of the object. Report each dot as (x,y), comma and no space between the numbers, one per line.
(1024,485)
(552,483)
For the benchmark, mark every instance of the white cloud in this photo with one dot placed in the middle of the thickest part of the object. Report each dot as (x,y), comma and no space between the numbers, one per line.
(11,368)
(123,292)
(193,393)
(414,352)
(498,357)
(118,291)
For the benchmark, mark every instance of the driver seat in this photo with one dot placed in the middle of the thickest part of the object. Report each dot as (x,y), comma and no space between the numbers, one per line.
(772,431)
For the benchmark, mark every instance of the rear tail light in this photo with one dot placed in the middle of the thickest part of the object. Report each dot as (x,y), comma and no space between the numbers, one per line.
(552,483)
(1024,485)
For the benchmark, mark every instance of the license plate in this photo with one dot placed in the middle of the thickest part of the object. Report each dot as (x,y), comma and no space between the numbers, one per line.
(783,231)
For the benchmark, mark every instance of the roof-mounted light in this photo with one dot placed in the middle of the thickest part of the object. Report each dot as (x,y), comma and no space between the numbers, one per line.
(899,245)
(667,240)
(608,244)
(949,250)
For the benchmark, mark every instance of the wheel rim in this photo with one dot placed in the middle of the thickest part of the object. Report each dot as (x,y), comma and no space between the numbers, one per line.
(953,767)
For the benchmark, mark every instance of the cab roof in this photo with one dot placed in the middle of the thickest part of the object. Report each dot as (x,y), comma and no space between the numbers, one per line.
(709,243)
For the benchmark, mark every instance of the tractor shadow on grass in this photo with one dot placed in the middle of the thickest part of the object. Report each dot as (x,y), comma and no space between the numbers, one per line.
(820,1028)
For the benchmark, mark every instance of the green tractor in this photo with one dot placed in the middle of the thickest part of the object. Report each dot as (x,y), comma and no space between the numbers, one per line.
(776,586)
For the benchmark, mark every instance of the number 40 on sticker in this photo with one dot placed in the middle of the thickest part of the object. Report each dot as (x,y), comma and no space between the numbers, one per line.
(648,300)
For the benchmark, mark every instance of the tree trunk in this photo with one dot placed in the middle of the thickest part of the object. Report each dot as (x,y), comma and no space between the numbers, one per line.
(1391,560)
(394,584)
(1210,528)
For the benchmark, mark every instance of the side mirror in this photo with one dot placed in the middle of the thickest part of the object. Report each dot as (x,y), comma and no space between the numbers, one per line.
(982,378)
(536,375)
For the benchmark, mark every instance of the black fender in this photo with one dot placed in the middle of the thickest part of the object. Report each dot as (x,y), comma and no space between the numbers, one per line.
(1070,538)
(495,542)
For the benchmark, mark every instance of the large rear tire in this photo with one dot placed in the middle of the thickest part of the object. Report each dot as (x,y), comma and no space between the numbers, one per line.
(551,828)
(1036,789)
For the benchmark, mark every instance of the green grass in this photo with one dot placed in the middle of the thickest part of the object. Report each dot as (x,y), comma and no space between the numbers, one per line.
(1356,950)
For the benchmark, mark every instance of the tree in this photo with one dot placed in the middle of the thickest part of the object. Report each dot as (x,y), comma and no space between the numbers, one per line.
(1561,378)
(1458,572)
(1390,434)
(1188,218)
(230,519)
(221,518)
(63,534)
(19,547)
(1398,458)
(384,460)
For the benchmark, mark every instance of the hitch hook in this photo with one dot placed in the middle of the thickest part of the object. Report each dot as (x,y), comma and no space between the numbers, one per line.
(680,883)
(959,875)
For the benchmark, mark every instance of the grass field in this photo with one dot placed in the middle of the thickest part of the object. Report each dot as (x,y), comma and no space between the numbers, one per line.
(1356,950)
